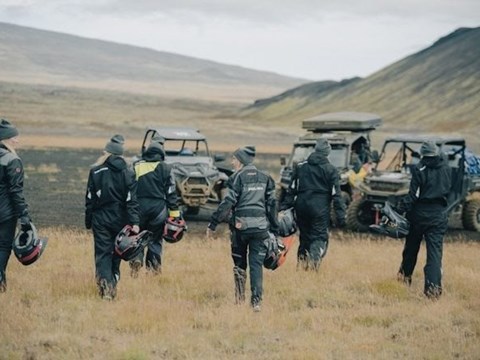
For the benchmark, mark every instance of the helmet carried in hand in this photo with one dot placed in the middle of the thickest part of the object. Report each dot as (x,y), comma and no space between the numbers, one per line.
(174,229)
(27,246)
(277,249)
(392,223)
(128,244)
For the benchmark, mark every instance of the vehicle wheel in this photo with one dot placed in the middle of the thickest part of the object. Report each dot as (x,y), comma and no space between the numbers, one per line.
(192,210)
(347,200)
(360,216)
(471,215)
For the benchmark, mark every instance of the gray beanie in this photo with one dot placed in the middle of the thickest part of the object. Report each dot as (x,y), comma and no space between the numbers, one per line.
(158,139)
(245,155)
(115,145)
(429,148)
(7,130)
(323,147)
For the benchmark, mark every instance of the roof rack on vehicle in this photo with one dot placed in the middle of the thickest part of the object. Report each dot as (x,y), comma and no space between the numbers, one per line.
(342,121)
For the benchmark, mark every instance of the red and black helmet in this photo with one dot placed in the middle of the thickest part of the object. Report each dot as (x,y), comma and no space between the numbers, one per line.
(27,246)
(174,229)
(128,244)
(277,250)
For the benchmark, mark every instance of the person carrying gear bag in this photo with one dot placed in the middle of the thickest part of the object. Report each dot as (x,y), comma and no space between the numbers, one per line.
(250,207)
(12,202)
(315,183)
(157,197)
(110,204)
(426,209)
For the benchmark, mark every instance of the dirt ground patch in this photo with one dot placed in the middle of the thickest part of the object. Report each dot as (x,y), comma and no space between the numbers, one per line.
(56,181)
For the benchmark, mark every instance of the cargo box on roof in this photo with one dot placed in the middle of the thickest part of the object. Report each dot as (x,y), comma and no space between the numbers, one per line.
(342,121)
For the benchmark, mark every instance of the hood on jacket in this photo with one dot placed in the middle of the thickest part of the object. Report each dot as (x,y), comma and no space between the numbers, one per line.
(154,153)
(433,161)
(116,163)
(316,158)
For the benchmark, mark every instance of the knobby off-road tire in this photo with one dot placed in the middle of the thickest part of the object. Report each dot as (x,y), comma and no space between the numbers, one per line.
(358,214)
(471,215)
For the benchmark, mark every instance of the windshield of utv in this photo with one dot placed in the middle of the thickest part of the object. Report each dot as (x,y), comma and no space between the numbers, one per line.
(338,155)
(185,148)
(402,156)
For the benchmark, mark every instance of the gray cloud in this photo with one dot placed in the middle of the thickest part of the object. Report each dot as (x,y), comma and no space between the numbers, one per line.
(291,10)
(316,39)
(258,10)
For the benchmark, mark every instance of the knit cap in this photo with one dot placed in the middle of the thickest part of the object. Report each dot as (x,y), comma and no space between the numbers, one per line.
(158,139)
(428,148)
(323,147)
(115,145)
(7,130)
(245,155)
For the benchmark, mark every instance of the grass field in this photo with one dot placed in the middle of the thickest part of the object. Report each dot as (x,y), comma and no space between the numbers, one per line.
(352,309)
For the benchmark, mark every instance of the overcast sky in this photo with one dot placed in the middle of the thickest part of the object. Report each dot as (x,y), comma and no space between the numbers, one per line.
(311,39)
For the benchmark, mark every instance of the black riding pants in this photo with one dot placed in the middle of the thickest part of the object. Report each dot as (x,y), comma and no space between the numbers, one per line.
(253,246)
(313,219)
(427,222)
(152,218)
(107,263)
(7,235)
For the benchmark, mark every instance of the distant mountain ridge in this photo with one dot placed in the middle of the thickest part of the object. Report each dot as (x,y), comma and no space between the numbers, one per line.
(30,55)
(436,89)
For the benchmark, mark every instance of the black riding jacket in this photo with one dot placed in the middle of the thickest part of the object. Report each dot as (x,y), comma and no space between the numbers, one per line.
(316,176)
(12,201)
(155,181)
(430,184)
(111,197)
(249,204)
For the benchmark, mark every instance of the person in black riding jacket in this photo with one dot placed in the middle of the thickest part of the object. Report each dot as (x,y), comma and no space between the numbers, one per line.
(315,183)
(12,202)
(110,204)
(426,209)
(158,199)
(250,208)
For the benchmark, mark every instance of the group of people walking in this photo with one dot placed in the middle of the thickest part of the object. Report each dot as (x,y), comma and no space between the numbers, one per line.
(144,196)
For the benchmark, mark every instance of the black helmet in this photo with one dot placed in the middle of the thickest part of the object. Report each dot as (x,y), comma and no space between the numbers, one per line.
(27,246)
(128,245)
(392,223)
(286,223)
(174,229)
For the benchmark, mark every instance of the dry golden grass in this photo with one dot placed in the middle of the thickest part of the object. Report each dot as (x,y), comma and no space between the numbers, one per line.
(352,309)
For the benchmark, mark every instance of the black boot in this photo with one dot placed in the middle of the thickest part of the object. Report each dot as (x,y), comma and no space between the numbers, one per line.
(154,266)
(3,282)
(240,277)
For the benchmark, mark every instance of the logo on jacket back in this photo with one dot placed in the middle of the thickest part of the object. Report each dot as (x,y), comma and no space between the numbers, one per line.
(255,188)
